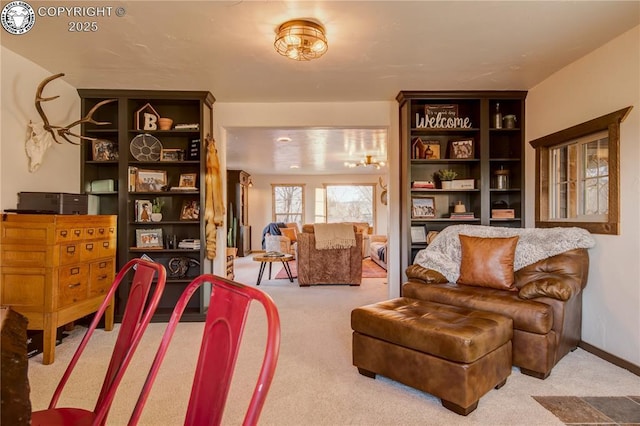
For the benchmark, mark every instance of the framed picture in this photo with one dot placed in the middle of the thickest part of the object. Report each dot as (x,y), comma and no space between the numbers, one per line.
(171,155)
(432,150)
(418,234)
(442,111)
(187,180)
(104,150)
(143,210)
(149,238)
(423,208)
(190,210)
(151,180)
(461,149)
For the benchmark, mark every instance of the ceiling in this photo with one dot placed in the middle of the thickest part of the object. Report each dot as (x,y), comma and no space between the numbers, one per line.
(376,49)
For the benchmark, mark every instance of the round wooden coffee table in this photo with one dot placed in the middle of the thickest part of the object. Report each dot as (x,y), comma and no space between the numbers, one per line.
(267,258)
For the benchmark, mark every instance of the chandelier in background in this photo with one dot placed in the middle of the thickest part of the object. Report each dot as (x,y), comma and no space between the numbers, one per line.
(301,40)
(367,162)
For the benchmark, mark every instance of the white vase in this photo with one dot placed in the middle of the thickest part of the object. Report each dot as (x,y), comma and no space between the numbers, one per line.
(446,184)
(156,217)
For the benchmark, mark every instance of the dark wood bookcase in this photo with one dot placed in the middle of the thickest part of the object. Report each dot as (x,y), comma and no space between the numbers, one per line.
(497,147)
(184,107)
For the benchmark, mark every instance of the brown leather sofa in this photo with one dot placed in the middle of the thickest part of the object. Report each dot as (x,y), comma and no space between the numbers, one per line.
(546,308)
(330,266)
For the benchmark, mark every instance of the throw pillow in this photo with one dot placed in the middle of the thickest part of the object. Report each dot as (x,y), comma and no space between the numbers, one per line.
(487,262)
(290,233)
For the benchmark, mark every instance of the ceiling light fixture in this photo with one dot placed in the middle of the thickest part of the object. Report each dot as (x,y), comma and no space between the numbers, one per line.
(301,40)
(367,162)
(284,139)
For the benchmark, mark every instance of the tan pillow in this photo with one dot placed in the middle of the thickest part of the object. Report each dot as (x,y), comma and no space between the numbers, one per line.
(290,233)
(487,262)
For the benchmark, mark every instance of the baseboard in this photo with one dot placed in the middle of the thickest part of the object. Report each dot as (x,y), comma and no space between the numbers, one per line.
(635,369)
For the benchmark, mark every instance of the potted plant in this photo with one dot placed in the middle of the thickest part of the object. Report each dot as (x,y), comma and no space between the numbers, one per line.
(156,210)
(446,176)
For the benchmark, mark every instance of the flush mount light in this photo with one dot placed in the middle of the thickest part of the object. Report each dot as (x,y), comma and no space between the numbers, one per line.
(284,139)
(301,40)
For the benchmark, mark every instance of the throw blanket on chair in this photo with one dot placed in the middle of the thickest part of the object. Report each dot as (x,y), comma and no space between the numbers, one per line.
(334,235)
(534,244)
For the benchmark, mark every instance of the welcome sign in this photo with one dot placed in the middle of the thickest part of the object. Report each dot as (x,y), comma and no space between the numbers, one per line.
(442,117)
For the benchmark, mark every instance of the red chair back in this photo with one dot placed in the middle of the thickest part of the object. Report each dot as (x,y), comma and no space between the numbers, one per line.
(226,317)
(137,315)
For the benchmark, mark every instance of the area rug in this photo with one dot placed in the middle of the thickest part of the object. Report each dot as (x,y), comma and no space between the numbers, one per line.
(601,410)
(370,269)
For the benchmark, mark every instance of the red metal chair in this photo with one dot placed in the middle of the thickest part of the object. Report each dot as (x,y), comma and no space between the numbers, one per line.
(226,317)
(138,313)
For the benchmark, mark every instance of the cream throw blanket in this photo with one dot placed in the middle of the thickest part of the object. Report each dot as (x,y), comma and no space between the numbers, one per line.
(334,235)
(534,244)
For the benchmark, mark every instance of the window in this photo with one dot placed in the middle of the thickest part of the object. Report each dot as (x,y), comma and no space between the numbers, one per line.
(579,179)
(288,203)
(350,203)
(577,175)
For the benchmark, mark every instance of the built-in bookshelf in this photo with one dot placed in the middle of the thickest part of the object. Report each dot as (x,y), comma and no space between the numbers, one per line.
(479,136)
(140,164)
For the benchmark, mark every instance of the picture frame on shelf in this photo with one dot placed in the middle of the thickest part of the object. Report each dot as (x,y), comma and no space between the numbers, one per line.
(151,180)
(188,180)
(104,150)
(423,208)
(193,150)
(143,210)
(461,149)
(442,110)
(132,178)
(418,234)
(190,210)
(149,238)
(431,150)
(170,154)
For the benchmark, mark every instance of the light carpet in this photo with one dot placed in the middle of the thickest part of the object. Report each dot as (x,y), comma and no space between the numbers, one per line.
(315,382)
(370,269)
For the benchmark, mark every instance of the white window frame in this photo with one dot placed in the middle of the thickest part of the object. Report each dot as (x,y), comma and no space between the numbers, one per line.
(274,213)
(373,199)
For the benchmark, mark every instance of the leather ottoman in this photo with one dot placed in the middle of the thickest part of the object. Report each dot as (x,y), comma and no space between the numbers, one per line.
(456,354)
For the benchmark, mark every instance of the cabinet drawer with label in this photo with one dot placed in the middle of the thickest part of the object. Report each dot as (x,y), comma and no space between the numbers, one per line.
(72,284)
(101,274)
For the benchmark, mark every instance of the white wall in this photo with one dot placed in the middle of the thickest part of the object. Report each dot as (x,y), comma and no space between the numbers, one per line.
(260,200)
(60,170)
(321,114)
(604,81)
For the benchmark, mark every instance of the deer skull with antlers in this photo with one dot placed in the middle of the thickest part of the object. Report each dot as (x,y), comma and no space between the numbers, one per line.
(41,134)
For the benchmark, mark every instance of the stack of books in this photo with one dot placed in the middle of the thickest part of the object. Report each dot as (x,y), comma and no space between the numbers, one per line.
(187,126)
(192,244)
(462,216)
(422,184)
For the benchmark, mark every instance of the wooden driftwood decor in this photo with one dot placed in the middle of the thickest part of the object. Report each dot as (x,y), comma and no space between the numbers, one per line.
(214,204)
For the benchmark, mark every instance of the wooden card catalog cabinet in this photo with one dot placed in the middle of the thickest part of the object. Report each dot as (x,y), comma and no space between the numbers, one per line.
(55,269)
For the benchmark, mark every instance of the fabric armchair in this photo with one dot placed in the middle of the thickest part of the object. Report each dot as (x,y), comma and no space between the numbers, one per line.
(329,266)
